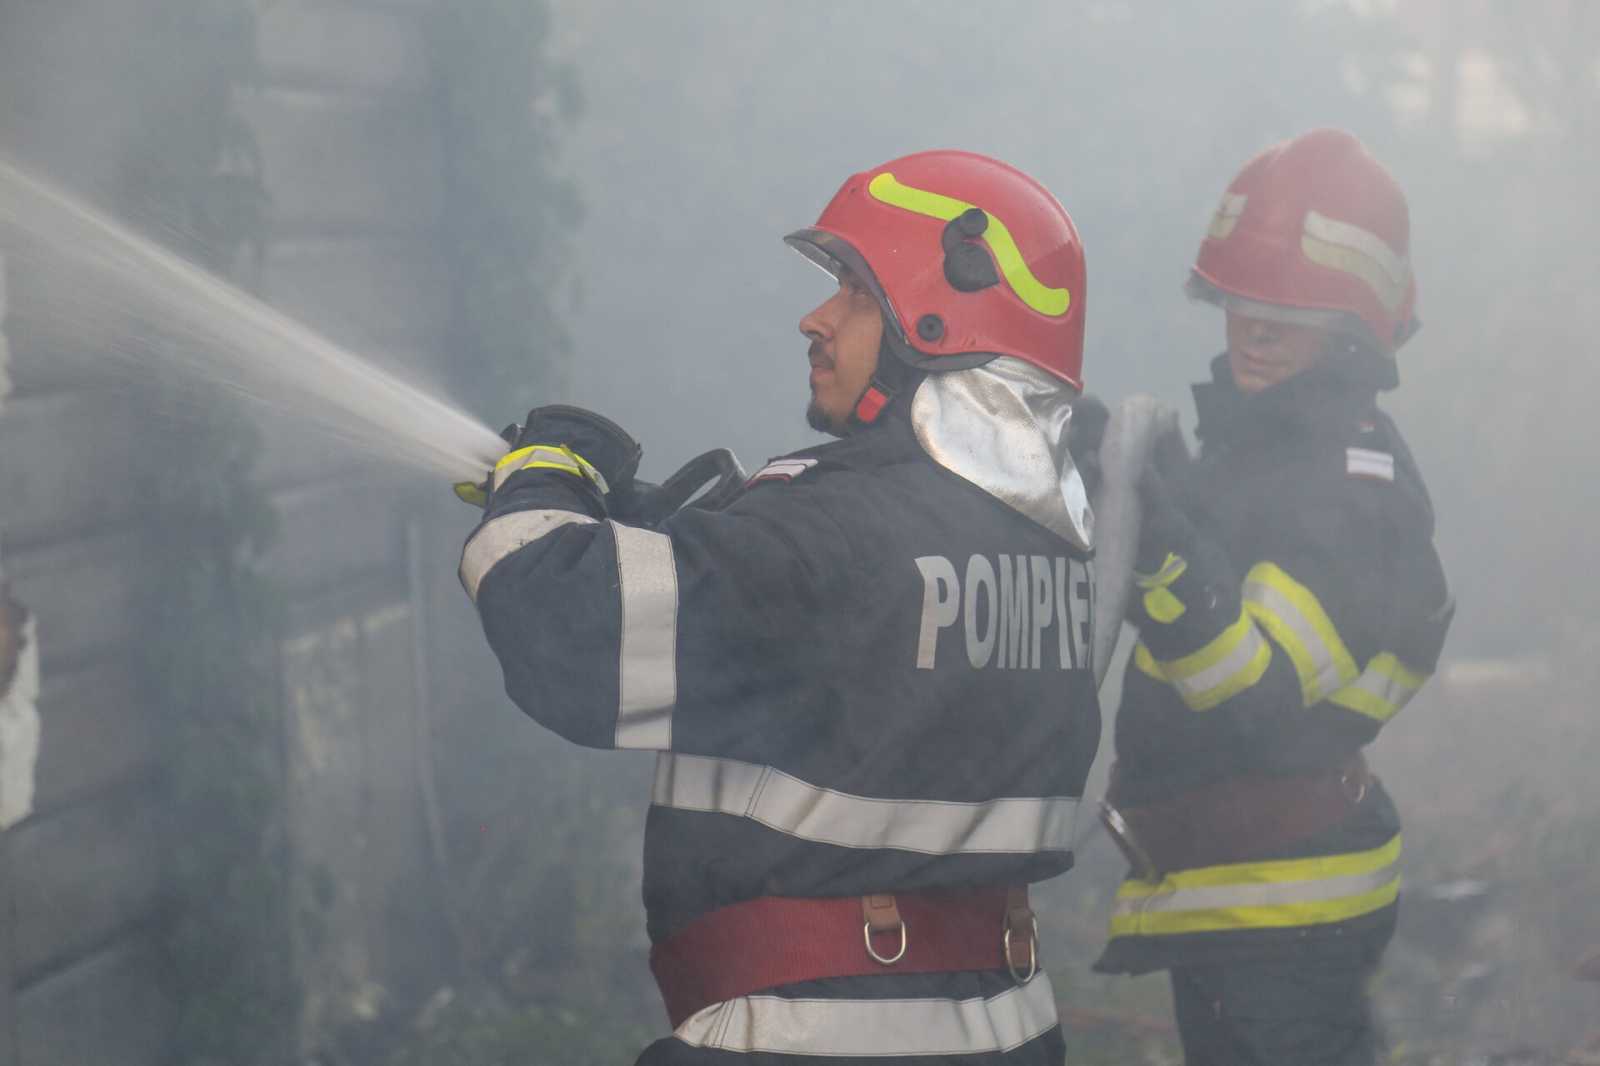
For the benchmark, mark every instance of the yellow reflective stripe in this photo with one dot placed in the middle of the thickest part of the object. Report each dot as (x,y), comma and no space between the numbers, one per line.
(1270,871)
(1383,688)
(1293,617)
(1197,662)
(1172,568)
(544,464)
(1269,916)
(1146,663)
(1222,669)
(1389,666)
(1162,606)
(547,457)
(512,460)
(1271,894)
(1037,295)
(537,456)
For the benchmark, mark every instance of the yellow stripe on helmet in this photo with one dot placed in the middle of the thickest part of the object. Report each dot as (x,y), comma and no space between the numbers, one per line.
(1037,295)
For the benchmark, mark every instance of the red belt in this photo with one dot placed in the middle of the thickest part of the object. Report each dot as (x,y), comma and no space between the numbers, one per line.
(1236,820)
(777,940)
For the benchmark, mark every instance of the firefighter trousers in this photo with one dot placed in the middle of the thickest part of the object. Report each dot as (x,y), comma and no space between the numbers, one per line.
(1308,1012)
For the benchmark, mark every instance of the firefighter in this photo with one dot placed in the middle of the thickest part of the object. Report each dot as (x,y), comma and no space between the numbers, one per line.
(867,676)
(1289,602)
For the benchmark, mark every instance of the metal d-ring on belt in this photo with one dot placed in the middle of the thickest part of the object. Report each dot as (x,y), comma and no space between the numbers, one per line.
(881,914)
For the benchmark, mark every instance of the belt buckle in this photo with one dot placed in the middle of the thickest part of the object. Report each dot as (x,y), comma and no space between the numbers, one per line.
(1143,866)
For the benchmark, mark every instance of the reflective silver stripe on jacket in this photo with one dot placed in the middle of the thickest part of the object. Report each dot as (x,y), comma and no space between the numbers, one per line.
(1261,894)
(1292,616)
(647,669)
(871,1027)
(1202,687)
(800,809)
(1383,688)
(498,538)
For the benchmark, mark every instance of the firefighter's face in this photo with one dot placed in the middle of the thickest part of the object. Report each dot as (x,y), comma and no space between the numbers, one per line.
(845,331)
(1263,353)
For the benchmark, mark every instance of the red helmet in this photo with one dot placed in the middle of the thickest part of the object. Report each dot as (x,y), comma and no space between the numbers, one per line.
(1314,230)
(968,257)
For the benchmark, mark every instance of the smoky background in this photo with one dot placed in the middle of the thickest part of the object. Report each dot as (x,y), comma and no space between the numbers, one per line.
(740,123)
(474,889)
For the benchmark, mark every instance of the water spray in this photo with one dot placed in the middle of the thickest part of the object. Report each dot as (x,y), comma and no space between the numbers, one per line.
(231,339)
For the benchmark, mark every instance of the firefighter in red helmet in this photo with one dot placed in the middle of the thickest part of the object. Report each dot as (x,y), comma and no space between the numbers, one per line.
(867,676)
(1289,602)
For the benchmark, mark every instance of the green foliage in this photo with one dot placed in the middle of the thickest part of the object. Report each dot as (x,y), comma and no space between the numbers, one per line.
(206,651)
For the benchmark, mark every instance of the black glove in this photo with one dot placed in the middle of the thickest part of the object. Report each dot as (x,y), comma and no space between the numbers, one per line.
(1084,434)
(589,446)
(597,440)
(1163,527)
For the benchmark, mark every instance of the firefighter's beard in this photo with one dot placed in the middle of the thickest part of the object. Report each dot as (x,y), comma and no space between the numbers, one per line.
(818,419)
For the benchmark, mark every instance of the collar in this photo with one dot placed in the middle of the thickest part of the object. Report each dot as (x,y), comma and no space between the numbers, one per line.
(1318,402)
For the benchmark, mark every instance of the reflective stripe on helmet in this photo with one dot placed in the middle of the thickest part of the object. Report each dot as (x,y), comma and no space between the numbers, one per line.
(1227,216)
(1037,295)
(1275,894)
(1338,245)
(782,802)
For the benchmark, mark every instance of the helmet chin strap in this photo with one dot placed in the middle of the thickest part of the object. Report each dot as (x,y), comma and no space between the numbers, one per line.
(891,377)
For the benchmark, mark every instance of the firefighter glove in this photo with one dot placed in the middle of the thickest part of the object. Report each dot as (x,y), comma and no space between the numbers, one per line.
(1179,572)
(608,456)
(1163,527)
(598,454)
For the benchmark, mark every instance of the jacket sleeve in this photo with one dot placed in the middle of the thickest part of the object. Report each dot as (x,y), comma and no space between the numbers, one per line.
(595,622)
(1334,626)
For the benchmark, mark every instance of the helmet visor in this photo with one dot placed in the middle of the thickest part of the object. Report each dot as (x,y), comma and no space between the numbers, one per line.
(836,257)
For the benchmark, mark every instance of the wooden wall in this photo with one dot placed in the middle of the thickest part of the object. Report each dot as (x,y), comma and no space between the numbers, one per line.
(344,120)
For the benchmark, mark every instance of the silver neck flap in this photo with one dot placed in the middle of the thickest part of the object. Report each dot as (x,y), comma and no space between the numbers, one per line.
(1003,427)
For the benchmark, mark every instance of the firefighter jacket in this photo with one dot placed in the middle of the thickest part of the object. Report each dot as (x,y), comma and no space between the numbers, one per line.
(1310,609)
(867,673)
